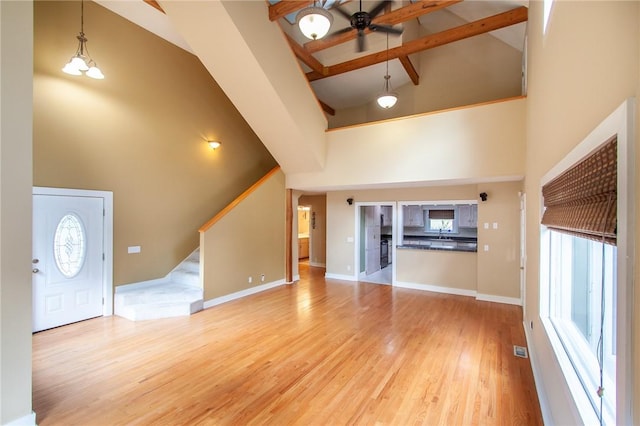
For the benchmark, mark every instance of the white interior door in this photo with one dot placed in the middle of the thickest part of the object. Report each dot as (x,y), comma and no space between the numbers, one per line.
(68,260)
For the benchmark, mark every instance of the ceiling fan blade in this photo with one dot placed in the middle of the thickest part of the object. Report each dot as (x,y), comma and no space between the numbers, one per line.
(378,8)
(342,12)
(386,29)
(361,41)
(342,31)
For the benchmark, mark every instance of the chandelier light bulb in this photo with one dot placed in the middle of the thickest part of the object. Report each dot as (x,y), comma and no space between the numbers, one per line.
(94,72)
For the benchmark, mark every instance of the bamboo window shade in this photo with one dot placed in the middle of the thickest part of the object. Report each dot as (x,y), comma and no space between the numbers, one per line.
(441,214)
(582,201)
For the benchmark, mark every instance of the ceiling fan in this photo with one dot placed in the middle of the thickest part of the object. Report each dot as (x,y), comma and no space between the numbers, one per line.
(361,20)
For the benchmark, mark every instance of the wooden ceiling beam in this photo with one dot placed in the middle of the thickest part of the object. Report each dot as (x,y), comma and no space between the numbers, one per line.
(410,69)
(394,17)
(285,7)
(495,22)
(326,108)
(306,57)
(154,3)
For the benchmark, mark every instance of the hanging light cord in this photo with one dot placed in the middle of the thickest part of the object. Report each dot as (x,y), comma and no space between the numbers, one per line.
(386,76)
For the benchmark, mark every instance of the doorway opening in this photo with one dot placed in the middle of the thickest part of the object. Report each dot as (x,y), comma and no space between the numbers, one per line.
(304,236)
(375,242)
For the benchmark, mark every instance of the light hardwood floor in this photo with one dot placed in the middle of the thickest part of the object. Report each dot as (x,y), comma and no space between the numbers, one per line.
(319,352)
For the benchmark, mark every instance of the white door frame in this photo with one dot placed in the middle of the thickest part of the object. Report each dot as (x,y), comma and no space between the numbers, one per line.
(392,250)
(107,271)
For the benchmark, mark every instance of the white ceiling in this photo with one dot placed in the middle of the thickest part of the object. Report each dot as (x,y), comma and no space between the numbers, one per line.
(356,87)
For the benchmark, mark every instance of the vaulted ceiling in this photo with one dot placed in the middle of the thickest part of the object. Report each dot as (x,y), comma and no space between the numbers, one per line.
(341,77)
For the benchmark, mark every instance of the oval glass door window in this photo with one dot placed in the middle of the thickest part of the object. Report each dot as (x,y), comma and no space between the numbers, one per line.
(69,245)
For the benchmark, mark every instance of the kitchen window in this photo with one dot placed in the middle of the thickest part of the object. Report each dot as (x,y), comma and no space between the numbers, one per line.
(441,220)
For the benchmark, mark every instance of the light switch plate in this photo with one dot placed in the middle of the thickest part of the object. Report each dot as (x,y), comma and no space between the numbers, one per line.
(486,247)
(486,225)
(495,225)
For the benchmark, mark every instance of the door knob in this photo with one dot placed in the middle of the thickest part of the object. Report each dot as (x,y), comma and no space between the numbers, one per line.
(35,261)
(35,270)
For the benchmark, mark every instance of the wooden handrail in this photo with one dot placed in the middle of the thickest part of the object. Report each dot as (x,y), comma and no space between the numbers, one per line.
(237,201)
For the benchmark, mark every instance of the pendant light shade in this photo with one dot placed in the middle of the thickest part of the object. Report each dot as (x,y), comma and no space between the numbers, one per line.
(387,99)
(314,21)
(82,62)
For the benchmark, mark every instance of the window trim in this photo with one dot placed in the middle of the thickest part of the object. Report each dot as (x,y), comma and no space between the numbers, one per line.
(620,122)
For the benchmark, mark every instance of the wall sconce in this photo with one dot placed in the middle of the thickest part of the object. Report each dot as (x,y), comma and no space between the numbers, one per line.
(349,201)
(483,196)
(214,144)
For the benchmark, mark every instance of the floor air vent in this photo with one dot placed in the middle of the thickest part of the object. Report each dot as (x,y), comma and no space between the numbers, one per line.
(520,351)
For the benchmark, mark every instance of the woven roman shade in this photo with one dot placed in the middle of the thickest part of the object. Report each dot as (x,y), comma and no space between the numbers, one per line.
(441,214)
(582,201)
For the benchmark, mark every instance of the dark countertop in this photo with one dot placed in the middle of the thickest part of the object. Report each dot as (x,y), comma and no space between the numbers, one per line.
(444,244)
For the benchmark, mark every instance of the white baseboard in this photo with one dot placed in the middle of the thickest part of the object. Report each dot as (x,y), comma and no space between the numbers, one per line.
(317,264)
(242,293)
(537,379)
(340,277)
(28,420)
(436,288)
(499,299)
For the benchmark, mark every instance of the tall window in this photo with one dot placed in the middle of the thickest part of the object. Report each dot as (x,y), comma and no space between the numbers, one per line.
(580,263)
(582,309)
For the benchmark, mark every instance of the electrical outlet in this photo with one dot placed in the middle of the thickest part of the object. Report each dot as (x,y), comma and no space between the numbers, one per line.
(262,277)
(250,280)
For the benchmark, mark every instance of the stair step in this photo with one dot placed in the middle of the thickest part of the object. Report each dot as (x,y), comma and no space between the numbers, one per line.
(178,294)
(157,310)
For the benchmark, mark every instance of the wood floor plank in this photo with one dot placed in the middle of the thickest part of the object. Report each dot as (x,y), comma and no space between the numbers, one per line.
(317,352)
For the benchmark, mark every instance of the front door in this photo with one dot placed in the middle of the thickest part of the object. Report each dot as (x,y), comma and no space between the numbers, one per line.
(68,259)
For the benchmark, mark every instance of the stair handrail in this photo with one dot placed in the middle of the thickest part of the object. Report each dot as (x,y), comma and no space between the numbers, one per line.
(238,200)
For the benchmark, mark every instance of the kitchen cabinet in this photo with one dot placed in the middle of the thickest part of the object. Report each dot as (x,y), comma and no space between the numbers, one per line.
(386,212)
(413,216)
(303,248)
(468,216)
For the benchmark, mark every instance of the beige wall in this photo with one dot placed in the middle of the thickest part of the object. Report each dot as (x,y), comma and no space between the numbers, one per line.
(140,133)
(468,144)
(577,77)
(493,273)
(499,268)
(451,270)
(318,235)
(466,72)
(16,35)
(247,242)
(258,71)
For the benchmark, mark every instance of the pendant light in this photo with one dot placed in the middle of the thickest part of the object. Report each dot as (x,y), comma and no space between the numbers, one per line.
(82,62)
(314,21)
(387,98)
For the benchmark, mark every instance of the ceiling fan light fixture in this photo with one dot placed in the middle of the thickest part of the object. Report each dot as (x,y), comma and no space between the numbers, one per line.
(314,22)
